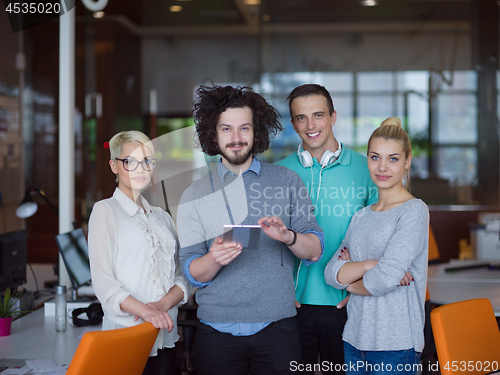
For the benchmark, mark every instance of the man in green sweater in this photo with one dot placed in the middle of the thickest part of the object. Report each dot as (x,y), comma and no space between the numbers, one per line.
(339,184)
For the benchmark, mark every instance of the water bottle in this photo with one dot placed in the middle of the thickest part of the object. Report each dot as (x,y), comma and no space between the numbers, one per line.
(61,314)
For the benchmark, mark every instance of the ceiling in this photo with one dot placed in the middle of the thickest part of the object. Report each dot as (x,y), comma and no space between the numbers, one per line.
(153,17)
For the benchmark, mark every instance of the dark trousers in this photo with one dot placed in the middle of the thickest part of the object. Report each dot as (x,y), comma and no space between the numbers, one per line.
(320,329)
(430,345)
(269,351)
(161,364)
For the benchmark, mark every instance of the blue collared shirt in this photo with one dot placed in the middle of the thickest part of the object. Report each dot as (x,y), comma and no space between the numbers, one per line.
(222,170)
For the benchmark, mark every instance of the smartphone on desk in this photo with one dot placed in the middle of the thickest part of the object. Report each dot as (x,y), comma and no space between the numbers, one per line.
(248,236)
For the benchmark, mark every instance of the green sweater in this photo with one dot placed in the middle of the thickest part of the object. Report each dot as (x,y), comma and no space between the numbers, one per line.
(346,187)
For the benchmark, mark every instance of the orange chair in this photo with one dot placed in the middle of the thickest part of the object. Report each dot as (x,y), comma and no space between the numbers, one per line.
(433,255)
(467,337)
(433,247)
(430,347)
(114,352)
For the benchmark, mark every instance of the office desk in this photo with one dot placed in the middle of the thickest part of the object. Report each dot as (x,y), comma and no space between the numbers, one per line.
(447,287)
(34,337)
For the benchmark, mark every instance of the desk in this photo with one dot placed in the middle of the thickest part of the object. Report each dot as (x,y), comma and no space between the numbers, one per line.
(34,337)
(465,284)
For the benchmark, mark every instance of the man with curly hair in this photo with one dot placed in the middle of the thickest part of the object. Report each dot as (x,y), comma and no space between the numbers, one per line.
(246,294)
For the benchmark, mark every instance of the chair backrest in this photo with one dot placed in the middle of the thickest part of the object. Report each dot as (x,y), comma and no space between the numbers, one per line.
(433,246)
(467,337)
(433,255)
(118,351)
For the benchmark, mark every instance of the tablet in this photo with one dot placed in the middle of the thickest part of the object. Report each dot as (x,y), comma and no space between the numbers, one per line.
(246,235)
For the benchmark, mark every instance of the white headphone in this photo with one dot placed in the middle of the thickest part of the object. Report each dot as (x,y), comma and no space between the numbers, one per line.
(306,161)
(328,157)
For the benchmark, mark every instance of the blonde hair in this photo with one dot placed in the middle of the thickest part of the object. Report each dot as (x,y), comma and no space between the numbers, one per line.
(392,129)
(130,136)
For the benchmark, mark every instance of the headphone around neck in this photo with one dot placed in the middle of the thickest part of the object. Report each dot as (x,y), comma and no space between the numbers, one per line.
(328,157)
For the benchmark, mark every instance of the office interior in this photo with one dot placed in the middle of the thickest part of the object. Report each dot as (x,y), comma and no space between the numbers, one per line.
(433,63)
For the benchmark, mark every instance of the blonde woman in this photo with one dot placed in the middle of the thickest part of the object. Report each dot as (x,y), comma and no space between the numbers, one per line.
(383,263)
(133,253)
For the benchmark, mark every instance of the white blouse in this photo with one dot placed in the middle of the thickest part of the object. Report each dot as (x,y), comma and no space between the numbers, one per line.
(133,253)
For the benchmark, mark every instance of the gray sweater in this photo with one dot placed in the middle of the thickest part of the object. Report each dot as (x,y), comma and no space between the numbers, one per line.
(392,318)
(257,286)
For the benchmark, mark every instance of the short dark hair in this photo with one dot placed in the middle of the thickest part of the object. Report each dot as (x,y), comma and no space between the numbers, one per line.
(212,101)
(309,90)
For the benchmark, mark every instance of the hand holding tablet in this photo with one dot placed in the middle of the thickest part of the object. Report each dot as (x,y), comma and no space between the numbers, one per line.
(248,236)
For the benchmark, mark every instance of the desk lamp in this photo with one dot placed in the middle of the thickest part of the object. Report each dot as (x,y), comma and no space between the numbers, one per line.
(28,206)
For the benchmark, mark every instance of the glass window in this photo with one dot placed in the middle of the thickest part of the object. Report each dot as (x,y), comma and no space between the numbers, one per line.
(379,95)
(456,119)
(372,110)
(375,81)
(338,82)
(459,80)
(458,165)
(413,81)
(418,113)
(344,126)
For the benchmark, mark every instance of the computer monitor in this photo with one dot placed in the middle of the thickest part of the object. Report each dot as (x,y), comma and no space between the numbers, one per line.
(75,254)
(13,255)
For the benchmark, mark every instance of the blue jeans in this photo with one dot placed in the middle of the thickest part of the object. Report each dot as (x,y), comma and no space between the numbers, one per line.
(397,362)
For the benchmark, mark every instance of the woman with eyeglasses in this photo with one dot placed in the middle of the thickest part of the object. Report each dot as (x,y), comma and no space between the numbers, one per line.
(133,253)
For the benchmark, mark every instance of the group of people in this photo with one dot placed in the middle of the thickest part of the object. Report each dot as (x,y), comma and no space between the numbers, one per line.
(337,229)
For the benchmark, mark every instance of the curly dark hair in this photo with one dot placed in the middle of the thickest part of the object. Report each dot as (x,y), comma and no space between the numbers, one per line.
(309,90)
(212,101)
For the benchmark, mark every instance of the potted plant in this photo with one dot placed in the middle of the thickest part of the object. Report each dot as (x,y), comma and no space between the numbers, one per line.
(9,307)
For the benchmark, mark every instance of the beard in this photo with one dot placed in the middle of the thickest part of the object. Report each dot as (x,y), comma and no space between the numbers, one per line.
(238,158)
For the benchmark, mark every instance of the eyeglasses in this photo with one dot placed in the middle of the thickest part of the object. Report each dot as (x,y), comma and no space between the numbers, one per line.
(130,165)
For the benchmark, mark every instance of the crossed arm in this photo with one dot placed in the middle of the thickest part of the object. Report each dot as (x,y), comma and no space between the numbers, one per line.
(352,273)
